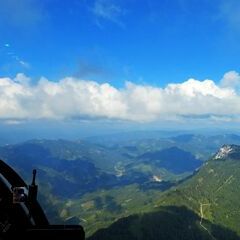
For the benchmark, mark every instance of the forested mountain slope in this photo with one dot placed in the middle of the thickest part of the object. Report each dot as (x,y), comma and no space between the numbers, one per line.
(206,206)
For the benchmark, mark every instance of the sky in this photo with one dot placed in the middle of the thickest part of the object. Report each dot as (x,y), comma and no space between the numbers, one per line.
(125,64)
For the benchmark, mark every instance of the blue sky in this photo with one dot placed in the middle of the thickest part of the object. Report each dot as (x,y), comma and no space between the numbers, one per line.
(134,46)
(116,40)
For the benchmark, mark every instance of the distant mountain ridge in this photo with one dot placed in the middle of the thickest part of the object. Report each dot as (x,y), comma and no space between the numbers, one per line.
(173,159)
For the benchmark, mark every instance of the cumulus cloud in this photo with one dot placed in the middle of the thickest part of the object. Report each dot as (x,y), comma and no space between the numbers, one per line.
(231,79)
(72,98)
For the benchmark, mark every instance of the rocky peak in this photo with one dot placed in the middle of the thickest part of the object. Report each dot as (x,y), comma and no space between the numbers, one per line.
(228,151)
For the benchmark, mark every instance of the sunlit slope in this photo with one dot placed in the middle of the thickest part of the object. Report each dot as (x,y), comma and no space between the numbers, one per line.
(214,191)
(207,203)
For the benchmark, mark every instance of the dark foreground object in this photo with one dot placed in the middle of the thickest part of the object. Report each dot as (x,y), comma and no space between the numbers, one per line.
(56,232)
(21,216)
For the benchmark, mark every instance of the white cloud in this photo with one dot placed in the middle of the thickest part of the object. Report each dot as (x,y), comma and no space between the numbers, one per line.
(71,98)
(231,79)
(14,56)
(21,62)
(108,10)
(24,64)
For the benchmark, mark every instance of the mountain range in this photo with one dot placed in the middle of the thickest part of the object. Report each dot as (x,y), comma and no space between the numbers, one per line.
(205,206)
(114,185)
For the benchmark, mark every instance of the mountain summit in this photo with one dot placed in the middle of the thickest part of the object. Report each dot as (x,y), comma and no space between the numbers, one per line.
(228,152)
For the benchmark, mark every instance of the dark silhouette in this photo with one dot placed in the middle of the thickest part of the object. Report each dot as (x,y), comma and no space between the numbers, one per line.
(20,213)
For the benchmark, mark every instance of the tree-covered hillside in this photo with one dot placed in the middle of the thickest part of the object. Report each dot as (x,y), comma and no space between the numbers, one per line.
(211,197)
(170,222)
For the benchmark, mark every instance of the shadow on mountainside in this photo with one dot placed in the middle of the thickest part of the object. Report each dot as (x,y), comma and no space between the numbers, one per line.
(169,223)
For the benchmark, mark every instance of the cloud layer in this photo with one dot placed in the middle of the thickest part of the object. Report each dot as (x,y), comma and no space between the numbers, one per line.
(72,98)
